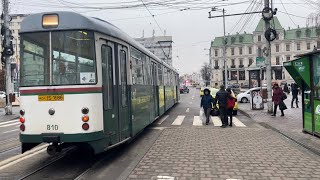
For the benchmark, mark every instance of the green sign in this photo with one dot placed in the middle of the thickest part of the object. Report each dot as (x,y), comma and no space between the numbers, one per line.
(260,61)
(302,66)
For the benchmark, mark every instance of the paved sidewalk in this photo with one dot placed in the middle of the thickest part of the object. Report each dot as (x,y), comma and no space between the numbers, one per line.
(232,153)
(15,114)
(290,124)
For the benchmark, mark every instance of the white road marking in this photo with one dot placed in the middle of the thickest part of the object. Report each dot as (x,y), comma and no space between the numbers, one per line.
(18,158)
(160,121)
(178,121)
(7,125)
(11,131)
(237,122)
(8,122)
(197,121)
(216,120)
(188,110)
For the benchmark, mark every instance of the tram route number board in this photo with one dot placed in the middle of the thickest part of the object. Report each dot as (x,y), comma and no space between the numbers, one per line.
(51,98)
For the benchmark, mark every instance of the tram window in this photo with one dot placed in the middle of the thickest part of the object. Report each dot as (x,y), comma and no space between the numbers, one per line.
(137,67)
(316,77)
(34,67)
(147,73)
(107,71)
(123,67)
(73,58)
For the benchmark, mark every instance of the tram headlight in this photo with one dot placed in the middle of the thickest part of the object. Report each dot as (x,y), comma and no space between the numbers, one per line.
(50,20)
(22,112)
(85,126)
(85,110)
(22,127)
(22,120)
(85,118)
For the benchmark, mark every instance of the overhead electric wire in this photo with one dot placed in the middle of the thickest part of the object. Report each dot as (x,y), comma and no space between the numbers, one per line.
(288,14)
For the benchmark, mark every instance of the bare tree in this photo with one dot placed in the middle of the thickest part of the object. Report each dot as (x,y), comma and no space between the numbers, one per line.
(206,73)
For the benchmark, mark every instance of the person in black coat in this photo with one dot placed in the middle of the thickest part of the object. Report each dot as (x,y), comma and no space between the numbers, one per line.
(206,103)
(295,92)
(221,98)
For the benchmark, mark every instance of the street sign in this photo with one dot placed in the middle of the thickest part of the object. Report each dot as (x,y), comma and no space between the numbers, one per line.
(260,61)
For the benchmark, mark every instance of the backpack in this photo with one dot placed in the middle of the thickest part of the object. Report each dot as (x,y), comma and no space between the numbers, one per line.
(231,103)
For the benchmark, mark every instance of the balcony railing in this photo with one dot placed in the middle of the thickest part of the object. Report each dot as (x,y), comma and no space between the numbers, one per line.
(216,67)
(241,66)
(233,66)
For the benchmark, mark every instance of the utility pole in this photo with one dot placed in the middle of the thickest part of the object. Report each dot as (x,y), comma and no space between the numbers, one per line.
(268,63)
(7,44)
(225,50)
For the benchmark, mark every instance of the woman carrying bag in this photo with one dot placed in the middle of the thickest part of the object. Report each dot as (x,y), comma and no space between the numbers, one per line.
(231,101)
(277,98)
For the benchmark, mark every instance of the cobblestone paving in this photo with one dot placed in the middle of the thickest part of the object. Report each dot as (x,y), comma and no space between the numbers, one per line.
(290,124)
(232,153)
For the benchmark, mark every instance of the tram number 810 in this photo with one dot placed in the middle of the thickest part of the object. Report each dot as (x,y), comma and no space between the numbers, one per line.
(52,127)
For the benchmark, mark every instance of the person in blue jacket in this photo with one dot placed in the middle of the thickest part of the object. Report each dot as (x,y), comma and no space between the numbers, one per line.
(206,103)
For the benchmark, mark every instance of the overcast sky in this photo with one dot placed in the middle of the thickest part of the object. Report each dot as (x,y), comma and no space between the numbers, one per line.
(186,20)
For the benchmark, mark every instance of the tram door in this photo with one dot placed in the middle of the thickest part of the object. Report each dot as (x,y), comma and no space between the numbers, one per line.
(154,90)
(122,63)
(115,95)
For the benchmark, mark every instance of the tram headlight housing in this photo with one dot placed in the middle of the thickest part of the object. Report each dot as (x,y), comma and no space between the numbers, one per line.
(85,118)
(50,20)
(85,126)
(22,112)
(85,110)
(22,120)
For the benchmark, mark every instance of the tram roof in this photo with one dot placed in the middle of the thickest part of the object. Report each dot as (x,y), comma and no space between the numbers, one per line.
(75,21)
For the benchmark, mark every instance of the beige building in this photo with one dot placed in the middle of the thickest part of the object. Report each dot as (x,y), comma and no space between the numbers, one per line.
(243,50)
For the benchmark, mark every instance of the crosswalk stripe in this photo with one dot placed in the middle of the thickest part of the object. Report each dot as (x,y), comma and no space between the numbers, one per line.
(178,121)
(10,131)
(8,122)
(161,120)
(197,121)
(7,125)
(237,122)
(216,120)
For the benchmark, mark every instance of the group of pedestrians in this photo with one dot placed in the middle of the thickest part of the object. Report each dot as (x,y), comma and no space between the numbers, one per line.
(226,102)
(280,95)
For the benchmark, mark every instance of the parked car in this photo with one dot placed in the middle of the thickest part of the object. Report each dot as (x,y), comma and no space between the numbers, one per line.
(2,94)
(246,96)
(184,89)
(213,92)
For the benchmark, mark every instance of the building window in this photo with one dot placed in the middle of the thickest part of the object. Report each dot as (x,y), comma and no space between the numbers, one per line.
(298,47)
(232,62)
(240,50)
(250,50)
(287,58)
(216,52)
(234,75)
(241,62)
(287,47)
(259,38)
(259,52)
(232,51)
(242,75)
(277,60)
(308,46)
(277,48)
(318,44)
(216,63)
(250,62)
(277,37)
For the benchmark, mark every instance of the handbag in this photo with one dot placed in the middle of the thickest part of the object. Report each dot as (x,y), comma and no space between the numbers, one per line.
(231,103)
(282,106)
(284,96)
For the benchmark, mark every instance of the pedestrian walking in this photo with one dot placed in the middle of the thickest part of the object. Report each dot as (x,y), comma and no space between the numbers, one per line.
(295,92)
(221,98)
(231,101)
(206,103)
(277,98)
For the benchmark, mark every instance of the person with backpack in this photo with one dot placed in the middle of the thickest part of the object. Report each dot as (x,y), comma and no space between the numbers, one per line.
(221,98)
(231,101)
(206,103)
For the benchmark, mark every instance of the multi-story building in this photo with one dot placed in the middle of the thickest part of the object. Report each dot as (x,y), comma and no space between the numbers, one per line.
(196,78)
(242,50)
(161,46)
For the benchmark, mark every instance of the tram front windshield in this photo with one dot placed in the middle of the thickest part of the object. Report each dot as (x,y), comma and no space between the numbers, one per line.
(72,59)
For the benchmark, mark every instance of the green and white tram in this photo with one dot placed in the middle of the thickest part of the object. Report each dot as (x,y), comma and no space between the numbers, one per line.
(86,82)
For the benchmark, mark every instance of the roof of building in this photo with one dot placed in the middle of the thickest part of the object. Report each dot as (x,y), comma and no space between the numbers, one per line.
(294,34)
(275,23)
(233,40)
